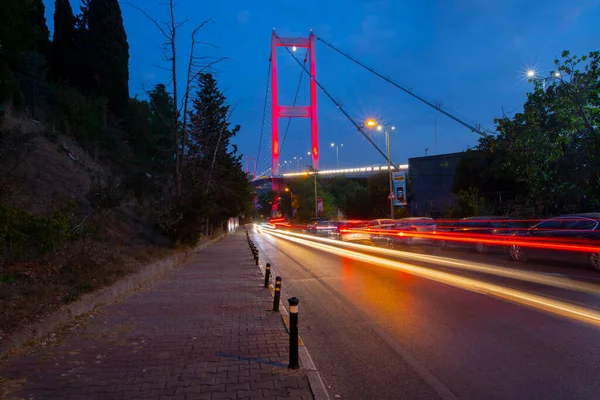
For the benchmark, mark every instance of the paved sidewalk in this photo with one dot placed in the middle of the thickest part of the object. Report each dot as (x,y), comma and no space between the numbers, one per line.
(205,332)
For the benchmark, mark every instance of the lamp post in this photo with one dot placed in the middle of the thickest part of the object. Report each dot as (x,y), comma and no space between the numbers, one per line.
(337,155)
(371,123)
(531,74)
(291,202)
(297,162)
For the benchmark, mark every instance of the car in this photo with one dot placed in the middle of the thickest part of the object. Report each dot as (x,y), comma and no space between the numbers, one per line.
(472,228)
(405,231)
(378,228)
(408,230)
(582,229)
(351,231)
(320,226)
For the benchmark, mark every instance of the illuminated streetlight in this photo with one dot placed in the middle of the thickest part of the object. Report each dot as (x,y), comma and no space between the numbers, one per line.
(337,155)
(294,48)
(532,74)
(371,123)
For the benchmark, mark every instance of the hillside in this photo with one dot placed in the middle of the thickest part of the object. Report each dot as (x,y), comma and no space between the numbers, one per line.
(95,182)
(46,175)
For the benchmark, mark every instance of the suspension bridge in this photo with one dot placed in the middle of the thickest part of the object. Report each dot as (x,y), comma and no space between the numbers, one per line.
(267,165)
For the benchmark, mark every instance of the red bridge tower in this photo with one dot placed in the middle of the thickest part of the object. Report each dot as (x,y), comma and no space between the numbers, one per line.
(279,111)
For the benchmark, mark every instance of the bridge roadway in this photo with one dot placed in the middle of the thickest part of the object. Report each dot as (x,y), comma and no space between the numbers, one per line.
(384,333)
(357,172)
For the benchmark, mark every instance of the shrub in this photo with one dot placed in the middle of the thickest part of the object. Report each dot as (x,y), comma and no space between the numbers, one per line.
(105,193)
(24,236)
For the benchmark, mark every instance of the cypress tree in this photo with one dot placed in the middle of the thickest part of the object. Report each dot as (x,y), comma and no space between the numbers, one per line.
(63,47)
(109,54)
(37,18)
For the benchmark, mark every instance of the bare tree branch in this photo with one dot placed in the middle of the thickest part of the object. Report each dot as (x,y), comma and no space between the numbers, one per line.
(154,21)
(178,151)
(200,71)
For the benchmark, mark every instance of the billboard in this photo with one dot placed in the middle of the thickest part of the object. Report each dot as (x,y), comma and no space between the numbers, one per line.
(319,204)
(399,184)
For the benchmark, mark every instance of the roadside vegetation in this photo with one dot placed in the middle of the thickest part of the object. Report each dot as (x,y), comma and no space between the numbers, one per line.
(94,183)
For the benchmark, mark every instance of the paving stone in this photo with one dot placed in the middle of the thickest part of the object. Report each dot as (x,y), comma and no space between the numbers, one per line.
(203,332)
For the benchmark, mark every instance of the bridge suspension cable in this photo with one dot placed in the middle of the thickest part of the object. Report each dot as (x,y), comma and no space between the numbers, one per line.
(338,104)
(295,101)
(476,129)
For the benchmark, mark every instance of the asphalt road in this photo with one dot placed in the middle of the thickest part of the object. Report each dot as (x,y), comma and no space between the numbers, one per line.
(379,333)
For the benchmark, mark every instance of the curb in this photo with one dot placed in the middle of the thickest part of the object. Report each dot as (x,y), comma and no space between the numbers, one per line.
(317,386)
(103,296)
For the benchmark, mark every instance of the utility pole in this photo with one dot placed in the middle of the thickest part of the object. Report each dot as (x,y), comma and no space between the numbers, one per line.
(314,172)
(316,199)
(434,135)
(387,133)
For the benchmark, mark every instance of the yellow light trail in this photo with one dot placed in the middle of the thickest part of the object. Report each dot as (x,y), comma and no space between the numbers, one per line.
(553,306)
(528,276)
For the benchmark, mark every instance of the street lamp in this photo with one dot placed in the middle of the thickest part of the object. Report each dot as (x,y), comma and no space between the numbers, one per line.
(337,154)
(371,123)
(531,74)
(291,202)
(298,162)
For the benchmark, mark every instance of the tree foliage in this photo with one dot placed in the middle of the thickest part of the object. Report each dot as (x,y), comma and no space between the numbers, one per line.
(354,198)
(109,62)
(88,99)
(214,184)
(63,41)
(24,42)
(548,155)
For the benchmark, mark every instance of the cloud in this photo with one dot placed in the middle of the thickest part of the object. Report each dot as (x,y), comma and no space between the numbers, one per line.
(243,16)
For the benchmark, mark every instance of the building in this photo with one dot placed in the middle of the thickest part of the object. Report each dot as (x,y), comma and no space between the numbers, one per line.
(431,181)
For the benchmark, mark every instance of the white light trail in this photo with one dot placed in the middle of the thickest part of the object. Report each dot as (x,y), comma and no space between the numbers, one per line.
(540,302)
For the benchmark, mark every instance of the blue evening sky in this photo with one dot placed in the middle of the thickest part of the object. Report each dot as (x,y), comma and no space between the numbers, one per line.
(468,55)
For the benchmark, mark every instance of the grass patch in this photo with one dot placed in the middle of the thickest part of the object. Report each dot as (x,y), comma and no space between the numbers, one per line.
(29,291)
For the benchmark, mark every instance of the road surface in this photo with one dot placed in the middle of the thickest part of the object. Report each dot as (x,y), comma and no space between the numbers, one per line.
(381,333)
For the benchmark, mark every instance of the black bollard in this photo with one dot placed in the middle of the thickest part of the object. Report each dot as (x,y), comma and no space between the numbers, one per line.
(267,274)
(293,302)
(256,257)
(277,293)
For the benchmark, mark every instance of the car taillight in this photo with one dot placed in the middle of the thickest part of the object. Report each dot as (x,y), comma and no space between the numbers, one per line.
(344,230)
